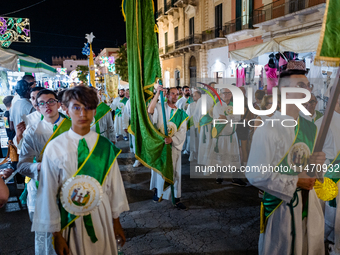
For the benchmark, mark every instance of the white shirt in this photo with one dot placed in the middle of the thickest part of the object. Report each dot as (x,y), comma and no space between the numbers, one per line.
(180,104)
(22,106)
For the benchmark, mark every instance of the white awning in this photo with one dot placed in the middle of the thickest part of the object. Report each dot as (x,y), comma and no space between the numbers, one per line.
(8,60)
(299,43)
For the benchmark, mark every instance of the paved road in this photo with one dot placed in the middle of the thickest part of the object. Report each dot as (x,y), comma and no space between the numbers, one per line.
(221,219)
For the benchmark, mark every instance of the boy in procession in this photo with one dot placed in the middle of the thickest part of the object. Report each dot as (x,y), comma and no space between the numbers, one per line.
(118,105)
(33,144)
(291,215)
(79,168)
(176,124)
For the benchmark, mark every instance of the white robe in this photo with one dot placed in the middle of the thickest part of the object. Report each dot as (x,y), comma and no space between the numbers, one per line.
(34,140)
(269,146)
(177,143)
(127,117)
(332,214)
(181,104)
(60,163)
(193,144)
(119,122)
(105,126)
(203,147)
(228,148)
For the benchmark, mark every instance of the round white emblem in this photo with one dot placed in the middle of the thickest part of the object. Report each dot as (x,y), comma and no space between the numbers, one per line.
(299,155)
(81,194)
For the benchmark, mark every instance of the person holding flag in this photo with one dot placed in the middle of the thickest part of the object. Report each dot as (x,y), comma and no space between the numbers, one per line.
(118,106)
(79,168)
(183,104)
(291,219)
(176,125)
(34,142)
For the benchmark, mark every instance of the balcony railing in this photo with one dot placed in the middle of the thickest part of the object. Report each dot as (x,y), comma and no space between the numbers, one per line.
(193,39)
(169,48)
(241,23)
(169,5)
(212,33)
(161,51)
(280,8)
(160,12)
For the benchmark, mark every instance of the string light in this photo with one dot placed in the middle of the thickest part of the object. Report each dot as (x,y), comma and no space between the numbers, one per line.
(109,62)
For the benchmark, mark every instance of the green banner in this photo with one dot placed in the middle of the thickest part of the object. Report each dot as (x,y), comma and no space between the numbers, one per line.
(144,69)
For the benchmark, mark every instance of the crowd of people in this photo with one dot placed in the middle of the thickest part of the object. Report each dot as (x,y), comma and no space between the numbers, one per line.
(66,145)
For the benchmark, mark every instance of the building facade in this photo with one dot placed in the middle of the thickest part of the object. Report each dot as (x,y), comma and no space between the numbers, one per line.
(203,38)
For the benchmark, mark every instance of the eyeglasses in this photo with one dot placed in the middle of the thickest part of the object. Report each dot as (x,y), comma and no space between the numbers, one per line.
(76,109)
(50,102)
(227,93)
(305,86)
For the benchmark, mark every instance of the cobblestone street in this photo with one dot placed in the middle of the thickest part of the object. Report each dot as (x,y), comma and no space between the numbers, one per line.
(221,219)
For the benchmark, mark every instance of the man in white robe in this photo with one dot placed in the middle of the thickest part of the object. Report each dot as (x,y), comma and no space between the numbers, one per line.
(183,104)
(193,126)
(118,106)
(176,140)
(204,129)
(332,208)
(224,150)
(106,127)
(280,234)
(60,163)
(35,139)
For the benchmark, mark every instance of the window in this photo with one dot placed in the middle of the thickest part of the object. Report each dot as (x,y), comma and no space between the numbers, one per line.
(166,41)
(191,30)
(176,37)
(218,19)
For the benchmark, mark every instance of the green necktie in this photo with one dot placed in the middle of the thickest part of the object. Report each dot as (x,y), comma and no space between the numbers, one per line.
(171,113)
(83,151)
(55,127)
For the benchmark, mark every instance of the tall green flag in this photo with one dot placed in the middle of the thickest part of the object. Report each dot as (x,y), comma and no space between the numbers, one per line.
(144,69)
(328,52)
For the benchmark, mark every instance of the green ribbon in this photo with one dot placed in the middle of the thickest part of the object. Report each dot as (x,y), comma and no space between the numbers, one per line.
(96,164)
(334,176)
(101,110)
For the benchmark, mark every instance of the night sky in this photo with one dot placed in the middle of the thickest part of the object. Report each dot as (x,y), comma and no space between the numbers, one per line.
(58,27)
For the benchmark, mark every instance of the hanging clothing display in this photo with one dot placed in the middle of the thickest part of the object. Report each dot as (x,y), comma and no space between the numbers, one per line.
(240,77)
(250,73)
(272,79)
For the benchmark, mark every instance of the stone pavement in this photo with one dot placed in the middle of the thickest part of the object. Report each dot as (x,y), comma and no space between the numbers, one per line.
(221,219)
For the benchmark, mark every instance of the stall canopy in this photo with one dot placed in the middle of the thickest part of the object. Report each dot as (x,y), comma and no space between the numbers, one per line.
(16,61)
(300,43)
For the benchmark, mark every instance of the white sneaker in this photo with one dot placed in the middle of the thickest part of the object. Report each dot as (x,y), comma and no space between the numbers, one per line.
(137,163)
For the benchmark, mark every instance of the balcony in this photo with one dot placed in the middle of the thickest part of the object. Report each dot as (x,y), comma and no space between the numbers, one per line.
(213,33)
(170,7)
(160,14)
(169,48)
(280,8)
(241,23)
(179,45)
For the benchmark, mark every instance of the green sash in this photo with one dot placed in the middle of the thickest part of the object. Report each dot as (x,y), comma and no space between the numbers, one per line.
(189,101)
(118,111)
(219,128)
(178,118)
(101,111)
(204,121)
(318,116)
(305,132)
(190,123)
(64,126)
(97,165)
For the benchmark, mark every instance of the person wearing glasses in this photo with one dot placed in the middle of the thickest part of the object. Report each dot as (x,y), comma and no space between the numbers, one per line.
(310,106)
(77,156)
(33,144)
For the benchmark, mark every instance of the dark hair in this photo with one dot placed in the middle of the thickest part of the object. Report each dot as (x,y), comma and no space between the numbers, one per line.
(60,96)
(259,94)
(169,89)
(7,101)
(286,74)
(45,92)
(37,89)
(28,77)
(178,87)
(82,94)
(185,87)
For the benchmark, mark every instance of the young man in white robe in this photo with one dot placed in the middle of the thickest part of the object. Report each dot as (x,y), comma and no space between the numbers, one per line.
(204,128)
(224,150)
(183,104)
(81,153)
(332,208)
(35,139)
(118,105)
(176,139)
(291,215)
(193,126)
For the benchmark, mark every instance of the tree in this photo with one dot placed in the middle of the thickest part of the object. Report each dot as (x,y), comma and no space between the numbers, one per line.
(83,71)
(121,63)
